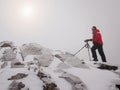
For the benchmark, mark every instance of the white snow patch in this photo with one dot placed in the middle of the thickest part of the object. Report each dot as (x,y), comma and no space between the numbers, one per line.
(94,79)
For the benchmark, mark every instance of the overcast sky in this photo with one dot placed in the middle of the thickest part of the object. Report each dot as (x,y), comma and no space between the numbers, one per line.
(62,24)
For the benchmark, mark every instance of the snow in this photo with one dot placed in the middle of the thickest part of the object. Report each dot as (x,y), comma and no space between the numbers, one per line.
(92,77)
(29,58)
(62,84)
(95,79)
(55,63)
(4,83)
(18,55)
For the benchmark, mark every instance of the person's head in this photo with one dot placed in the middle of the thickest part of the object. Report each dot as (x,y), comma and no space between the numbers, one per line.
(94,28)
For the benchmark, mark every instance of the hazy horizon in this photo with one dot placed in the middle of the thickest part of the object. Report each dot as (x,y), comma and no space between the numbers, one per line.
(62,24)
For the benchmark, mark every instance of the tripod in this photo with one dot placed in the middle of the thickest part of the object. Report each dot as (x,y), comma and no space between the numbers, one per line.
(85,46)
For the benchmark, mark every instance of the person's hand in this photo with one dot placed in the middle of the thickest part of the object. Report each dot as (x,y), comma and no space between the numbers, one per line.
(86,40)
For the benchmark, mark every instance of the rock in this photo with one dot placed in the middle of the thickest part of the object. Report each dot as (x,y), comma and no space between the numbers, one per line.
(75,81)
(51,86)
(79,87)
(6,44)
(63,66)
(33,67)
(31,49)
(8,55)
(18,76)
(44,60)
(118,71)
(60,57)
(47,80)
(71,60)
(107,67)
(16,85)
(70,78)
(42,55)
(41,75)
(118,86)
(17,64)
(4,65)
(115,84)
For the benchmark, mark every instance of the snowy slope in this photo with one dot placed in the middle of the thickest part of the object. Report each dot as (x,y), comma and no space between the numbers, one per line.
(65,70)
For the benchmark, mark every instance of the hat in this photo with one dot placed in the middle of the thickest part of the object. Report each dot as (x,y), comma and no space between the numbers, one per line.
(94,27)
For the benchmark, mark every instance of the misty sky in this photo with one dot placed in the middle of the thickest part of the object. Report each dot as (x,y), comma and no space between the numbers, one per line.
(62,24)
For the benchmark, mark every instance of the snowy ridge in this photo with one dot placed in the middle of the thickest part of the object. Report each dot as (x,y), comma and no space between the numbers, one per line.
(52,70)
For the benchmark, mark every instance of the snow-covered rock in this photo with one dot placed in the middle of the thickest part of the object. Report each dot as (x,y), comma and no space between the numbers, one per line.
(8,55)
(71,60)
(6,44)
(75,81)
(31,49)
(44,60)
(41,54)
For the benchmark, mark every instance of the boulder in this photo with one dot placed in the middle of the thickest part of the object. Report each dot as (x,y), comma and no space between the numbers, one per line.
(31,49)
(16,85)
(41,54)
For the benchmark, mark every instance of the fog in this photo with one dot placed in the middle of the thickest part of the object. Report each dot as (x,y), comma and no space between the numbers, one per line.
(62,24)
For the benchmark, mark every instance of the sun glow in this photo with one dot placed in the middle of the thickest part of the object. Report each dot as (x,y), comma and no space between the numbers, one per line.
(31,20)
(27,11)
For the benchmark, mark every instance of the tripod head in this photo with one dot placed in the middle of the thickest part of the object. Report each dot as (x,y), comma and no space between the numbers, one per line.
(87,45)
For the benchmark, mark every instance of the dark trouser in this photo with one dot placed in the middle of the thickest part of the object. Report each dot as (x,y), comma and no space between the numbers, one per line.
(100,50)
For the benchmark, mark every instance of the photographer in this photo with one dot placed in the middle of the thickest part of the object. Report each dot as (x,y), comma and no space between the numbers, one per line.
(97,44)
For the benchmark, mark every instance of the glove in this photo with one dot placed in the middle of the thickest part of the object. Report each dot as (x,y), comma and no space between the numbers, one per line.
(86,40)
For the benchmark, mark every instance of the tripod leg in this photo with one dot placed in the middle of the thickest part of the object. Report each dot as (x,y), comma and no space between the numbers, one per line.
(89,54)
(79,50)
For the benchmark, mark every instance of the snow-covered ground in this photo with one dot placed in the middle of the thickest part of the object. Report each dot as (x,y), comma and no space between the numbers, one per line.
(65,70)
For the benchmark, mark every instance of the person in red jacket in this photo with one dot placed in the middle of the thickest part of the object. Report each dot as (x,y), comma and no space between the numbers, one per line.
(97,44)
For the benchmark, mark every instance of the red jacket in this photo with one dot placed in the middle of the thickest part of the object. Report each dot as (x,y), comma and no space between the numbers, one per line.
(97,38)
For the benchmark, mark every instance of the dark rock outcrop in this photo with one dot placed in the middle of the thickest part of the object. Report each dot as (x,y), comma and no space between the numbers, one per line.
(41,75)
(51,86)
(16,85)
(47,80)
(118,86)
(18,76)
(6,44)
(107,67)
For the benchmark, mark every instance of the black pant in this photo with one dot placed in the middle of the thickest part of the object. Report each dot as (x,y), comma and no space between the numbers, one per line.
(100,50)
